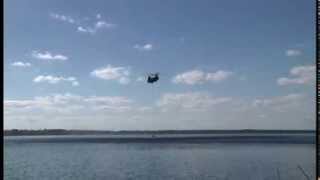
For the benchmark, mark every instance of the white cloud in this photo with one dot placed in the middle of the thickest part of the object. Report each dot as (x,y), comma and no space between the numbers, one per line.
(62,18)
(97,26)
(113,100)
(302,75)
(120,74)
(190,101)
(280,100)
(190,110)
(218,76)
(199,77)
(19,104)
(63,103)
(63,109)
(86,30)
(146,47)
(293,52)
(191,77)
(111,103)
(58,99)
(21,64)
(82,27)
(55,79)
(70,111)
(285,103)
(103,24)
(48,56)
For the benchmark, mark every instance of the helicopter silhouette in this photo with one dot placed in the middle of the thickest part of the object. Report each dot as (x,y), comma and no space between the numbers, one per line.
(153,77)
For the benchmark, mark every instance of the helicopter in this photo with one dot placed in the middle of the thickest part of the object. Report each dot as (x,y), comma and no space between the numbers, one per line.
(153,77)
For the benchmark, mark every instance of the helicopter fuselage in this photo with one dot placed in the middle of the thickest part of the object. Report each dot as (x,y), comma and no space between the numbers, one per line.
(153,79)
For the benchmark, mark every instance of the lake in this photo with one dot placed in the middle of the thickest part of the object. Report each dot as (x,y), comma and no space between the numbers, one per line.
(83,158)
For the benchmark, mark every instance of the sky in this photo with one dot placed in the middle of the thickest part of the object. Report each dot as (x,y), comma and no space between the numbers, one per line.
(83,64)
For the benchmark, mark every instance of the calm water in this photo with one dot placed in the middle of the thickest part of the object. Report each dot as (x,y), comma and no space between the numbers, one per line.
(145,161)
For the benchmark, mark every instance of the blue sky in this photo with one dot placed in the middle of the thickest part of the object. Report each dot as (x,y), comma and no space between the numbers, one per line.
(214,58)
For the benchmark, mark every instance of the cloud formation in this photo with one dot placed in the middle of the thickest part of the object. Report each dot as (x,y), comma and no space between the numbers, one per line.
(120,74)
(86,30)
(48,56)
(280,100)
(69,111)
(97,26)
(67,103)
(285,103)
(199,77)
(301,75)
(21,64)
(187,110)
(293,52)
(145,47)
(218,76)
(83,27)
(55,79)
(63,18)
(190,101)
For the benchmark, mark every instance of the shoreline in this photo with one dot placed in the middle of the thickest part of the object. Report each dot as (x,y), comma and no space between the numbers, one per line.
(288,139)
(22,132)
